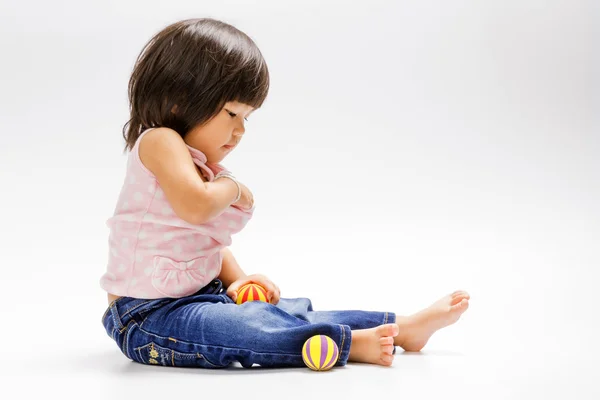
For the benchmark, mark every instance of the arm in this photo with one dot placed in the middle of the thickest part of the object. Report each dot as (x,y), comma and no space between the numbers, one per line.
(164,153)
(230,269)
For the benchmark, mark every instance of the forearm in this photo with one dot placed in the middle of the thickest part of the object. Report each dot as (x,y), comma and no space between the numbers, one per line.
(219,195)
(230,269)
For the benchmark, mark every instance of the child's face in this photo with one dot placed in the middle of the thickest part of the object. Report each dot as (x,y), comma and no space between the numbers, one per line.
(219,136)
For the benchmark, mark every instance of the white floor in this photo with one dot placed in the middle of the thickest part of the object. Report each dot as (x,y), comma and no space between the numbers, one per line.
(102,374)
(478,358)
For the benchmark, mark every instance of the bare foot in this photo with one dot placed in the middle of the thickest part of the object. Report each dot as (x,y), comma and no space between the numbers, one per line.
(416,330)
(373,346)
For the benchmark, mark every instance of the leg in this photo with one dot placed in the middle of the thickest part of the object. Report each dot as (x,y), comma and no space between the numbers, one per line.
(416,329)
(211,331)
(372,332)
(356,319)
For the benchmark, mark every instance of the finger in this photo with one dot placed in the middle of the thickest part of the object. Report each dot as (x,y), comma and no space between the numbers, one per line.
(271,293)
(277,295)
(267,285)
(233,289)
(232,294)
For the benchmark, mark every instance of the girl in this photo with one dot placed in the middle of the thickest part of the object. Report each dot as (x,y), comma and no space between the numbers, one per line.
(171,280)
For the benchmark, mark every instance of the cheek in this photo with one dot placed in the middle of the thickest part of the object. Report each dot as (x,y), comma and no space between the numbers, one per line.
(221,130)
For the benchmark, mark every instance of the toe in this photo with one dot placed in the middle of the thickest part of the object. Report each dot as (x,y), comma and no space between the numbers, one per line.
(458,298)
(387,359)
(464,304)
(461,306)
(388,330)
(461,293)
(388,349)
(386,341)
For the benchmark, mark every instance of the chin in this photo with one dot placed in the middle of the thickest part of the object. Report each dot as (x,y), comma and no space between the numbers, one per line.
(214,160)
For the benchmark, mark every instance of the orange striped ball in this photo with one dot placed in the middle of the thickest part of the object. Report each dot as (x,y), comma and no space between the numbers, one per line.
(251,292)
(320,353)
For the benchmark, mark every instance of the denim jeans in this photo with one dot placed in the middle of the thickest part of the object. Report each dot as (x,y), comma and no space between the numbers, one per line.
(208,330)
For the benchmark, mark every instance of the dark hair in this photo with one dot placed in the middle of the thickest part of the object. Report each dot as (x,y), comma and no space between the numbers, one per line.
(198,65)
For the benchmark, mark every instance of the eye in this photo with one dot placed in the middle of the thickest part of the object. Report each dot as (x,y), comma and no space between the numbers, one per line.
(235,115)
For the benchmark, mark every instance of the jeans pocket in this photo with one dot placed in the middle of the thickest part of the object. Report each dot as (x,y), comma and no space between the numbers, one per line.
(154,354)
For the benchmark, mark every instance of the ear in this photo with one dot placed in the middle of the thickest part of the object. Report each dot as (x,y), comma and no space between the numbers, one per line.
(174,109)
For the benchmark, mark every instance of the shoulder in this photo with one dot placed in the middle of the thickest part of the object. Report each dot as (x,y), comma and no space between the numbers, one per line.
(162,145)
(161,137)
(163,153)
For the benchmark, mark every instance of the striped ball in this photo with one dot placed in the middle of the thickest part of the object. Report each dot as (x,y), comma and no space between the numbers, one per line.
(251,292)
(320,353)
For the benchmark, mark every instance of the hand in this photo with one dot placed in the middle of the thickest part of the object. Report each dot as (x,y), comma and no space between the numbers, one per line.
(246,200)
(273,293)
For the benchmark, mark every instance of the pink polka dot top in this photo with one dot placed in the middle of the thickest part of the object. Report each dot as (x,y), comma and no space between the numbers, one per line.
(152,252)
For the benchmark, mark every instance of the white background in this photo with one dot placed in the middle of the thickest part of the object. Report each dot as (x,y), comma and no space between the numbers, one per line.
(406,149)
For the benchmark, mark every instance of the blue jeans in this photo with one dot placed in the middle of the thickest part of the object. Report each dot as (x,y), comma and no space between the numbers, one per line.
(208,330)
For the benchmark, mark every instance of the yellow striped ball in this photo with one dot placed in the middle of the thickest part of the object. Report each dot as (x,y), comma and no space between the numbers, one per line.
(251,292)
(320,353)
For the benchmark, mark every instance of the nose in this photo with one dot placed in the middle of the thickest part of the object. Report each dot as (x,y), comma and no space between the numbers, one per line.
(239,131)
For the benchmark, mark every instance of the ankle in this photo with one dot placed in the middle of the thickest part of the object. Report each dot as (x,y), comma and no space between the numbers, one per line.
(358,336)
(405,325)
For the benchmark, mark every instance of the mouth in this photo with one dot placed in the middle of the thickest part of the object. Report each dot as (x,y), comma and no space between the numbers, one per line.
(229,146)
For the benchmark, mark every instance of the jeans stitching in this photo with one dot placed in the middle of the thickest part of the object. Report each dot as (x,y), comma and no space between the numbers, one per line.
(108,309)
(116,318)
(152,342)
(124,344)
(139,354)
(126,340)
(342,344)
(136,307)
(217,346)
(104,315)
(147,315)
(125,327)
(128,312)
(160,305)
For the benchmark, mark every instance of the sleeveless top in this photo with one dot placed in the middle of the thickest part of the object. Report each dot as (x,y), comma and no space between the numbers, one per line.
(152,252)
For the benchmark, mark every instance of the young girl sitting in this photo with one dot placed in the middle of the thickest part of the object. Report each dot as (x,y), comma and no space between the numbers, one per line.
(171,279)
